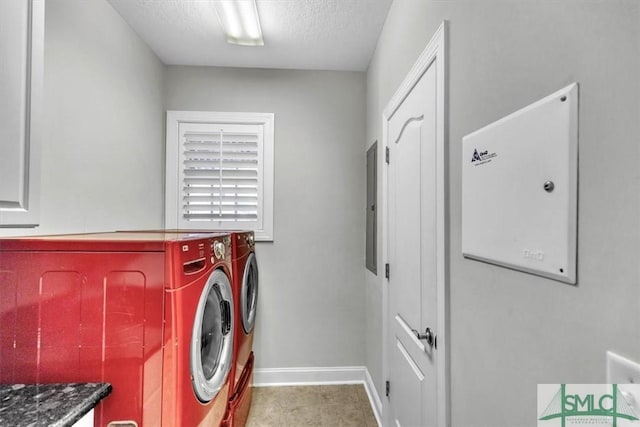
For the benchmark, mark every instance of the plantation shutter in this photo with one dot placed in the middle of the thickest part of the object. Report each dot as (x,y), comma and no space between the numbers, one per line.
(221,175)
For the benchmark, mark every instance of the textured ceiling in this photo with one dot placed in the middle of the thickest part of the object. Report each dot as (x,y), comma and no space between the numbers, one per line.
(299,34)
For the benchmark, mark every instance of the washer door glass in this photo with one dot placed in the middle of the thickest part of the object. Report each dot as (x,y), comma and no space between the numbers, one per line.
(249,293)
(212,337)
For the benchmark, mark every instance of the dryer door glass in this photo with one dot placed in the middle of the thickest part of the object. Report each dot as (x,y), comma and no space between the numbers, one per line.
(214,320)
(249,294)
(212,338)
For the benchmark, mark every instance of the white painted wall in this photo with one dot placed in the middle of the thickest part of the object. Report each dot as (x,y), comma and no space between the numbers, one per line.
(311,305)
(103,148)
(510,330)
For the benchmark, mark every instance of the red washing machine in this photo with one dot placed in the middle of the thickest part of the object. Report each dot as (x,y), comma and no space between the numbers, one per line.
(150,313)
(245,293)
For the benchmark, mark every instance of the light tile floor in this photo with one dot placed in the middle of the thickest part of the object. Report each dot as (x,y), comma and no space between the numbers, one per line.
(302,406)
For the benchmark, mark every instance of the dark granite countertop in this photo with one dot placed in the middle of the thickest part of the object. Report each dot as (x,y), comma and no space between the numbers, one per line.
(55,405)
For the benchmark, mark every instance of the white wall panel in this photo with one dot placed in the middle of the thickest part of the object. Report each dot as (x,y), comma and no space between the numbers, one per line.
(519,188)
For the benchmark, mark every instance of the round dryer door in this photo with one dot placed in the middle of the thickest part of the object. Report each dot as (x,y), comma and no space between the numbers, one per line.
(212,337)
(249,293)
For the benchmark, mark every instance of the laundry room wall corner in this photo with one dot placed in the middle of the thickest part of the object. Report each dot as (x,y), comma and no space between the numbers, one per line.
(310,312)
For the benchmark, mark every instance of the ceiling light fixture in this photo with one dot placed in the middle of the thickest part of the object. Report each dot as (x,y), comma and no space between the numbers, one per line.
(240,21)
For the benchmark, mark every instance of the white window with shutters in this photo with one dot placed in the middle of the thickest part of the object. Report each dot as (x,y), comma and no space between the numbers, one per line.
(219,173)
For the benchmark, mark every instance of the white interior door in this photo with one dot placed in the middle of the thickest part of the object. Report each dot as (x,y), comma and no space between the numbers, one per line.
(415,252)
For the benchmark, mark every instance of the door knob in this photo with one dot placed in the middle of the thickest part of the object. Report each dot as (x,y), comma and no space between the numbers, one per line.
(427,335)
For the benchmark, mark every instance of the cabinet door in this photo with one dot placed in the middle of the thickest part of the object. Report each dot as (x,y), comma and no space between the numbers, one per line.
(21,63)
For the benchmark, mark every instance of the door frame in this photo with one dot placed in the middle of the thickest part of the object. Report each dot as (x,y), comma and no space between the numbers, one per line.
(436,50)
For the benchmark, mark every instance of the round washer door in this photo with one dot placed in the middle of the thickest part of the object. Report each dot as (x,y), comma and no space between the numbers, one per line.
(212,337)
(249,293)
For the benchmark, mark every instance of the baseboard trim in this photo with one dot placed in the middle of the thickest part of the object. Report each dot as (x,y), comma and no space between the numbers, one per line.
(272,377)
(374,398)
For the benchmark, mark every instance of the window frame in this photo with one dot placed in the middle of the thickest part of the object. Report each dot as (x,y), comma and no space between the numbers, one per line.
(173,208)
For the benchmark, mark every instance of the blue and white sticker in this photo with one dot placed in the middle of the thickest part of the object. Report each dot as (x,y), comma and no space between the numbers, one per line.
(482,157)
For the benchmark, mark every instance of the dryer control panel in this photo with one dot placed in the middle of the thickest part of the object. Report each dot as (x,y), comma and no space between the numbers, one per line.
(201,254)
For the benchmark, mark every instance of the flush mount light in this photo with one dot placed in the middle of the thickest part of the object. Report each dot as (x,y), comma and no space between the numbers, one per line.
(240,21)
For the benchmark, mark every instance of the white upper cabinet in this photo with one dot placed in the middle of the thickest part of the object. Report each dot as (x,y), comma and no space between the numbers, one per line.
(21,66)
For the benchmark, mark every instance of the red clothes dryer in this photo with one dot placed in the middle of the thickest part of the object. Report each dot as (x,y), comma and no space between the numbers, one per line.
(150,313)
(245,293)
